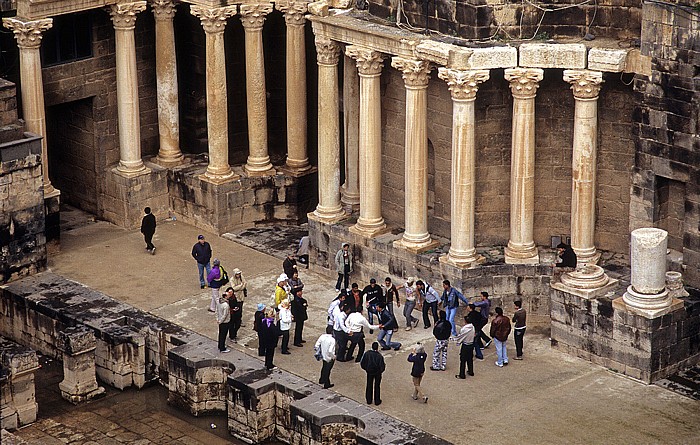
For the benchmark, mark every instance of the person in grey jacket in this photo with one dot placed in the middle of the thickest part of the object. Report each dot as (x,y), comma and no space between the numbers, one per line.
(343,265)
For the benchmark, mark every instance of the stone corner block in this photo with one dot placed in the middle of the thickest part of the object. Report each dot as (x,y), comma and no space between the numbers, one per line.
(548,55)
(495,57)
(77,340)
(607,59)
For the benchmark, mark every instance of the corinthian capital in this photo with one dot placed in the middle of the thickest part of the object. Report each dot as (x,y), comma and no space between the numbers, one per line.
(213,19)
(124,14)
(369,62)
(163,9)
(585,84)
(463,84)
(327,51)
(524,81)
(416,73)
(28,34)
(294,11)
(253,16)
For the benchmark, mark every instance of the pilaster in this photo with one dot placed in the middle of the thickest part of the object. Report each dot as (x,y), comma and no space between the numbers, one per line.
(351,121)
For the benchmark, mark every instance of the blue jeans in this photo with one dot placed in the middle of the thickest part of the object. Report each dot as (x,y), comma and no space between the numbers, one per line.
(201,268)
(501,351)
(451,312)
(384,339)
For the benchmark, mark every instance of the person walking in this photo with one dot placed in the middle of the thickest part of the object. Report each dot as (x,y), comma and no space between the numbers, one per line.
(285,316)
(450,302)
(223,316)
(303,251)
(326,346)
(269,333)
(299,314)
(355,324)
(343,265)
(216,278)
(257,321)
(289,265)
(418,357)
(391,293)
(387,326)
(236,314)
(201,252)
(373,294)
(430,299)
(148,228)
(373,364)
(484,305)
(441,331)
(465,340)
(410,290)
(240,287)
(500,329)
(519,318)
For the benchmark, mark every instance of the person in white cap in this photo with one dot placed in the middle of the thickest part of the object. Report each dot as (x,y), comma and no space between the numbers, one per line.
(281,290)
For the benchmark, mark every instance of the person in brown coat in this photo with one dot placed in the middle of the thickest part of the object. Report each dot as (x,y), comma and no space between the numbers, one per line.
(500,330)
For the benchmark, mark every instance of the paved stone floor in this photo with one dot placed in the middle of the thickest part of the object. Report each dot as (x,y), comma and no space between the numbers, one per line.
(547,398)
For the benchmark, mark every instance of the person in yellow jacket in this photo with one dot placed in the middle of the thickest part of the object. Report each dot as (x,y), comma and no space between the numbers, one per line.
(280,290)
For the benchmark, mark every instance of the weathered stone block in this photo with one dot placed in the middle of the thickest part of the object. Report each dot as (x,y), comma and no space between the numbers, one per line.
(545,55)
(606,59)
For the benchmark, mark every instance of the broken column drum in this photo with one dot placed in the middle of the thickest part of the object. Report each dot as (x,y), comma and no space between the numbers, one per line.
(648,264)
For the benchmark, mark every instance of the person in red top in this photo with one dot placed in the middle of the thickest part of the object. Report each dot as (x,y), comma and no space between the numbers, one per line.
(500,330)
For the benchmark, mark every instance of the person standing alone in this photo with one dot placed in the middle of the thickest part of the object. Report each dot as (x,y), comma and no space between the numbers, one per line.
(148,228)
(201,252)
(223,317)
(500,329)
(519,318)
(373,364)
(326,346)
(343,265)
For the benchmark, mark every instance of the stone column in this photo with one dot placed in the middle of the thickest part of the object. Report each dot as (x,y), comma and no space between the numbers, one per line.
(369,64)
(253,17)
(521,247)
(416,76)
(329,209)
(463,86)
(351,122)
(124,20)
(169,153)
(586,87)
(79,382)
(647,290)
(297,155)
(28,35)
(214,23)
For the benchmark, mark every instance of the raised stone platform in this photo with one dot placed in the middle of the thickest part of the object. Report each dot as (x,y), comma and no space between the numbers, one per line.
(18,405)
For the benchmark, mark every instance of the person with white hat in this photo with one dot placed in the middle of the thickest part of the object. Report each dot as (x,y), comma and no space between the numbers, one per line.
(281,290)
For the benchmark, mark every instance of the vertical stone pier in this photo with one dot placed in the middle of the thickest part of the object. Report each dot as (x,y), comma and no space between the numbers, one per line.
(79,382)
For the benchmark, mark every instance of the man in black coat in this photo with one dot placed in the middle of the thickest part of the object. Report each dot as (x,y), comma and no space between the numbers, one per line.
(567,256)
(289,265)
(148,228)
(387,326)
(373,294)
(298,307)
(373,364)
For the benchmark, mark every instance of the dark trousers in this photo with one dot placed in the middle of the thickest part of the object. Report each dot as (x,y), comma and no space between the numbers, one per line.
(269,356)
(261,348)
(233,327)
(343,278)
(325,379)
(429,307)
(223,330)
(481,335)
(356,339)
(298,328)
(341,342)
(148,237)
(519,334)
(466,356)
(374,382)
(304,259)
(285,340)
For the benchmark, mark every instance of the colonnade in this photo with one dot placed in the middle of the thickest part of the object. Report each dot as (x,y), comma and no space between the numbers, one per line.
(363,67)
(213,19)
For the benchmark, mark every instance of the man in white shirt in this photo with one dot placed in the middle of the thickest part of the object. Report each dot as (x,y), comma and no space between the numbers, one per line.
(326,345)
(340,330)
(465,339)
(354,324)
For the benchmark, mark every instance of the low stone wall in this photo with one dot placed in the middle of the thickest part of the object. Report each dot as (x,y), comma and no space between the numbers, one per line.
(378,258)
(606,331)
(18,405)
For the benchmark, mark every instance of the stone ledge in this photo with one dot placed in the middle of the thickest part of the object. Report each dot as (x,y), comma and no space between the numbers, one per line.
(545,55)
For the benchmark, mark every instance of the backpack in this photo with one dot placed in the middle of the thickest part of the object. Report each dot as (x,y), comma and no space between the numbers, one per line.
(224,276)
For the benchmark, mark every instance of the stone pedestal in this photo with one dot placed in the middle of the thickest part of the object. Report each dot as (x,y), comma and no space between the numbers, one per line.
(647,291)
(674,284)
(589,281)
(79,382)
(18,405)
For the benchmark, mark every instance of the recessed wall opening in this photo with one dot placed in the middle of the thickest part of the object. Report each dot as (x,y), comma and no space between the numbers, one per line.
(669,213)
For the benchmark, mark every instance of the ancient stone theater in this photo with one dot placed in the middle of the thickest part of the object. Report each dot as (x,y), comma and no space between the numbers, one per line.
(460,139)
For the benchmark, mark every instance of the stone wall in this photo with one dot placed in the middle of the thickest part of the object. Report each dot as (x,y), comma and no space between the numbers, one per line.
(18,405)
(514,20)
(666,128)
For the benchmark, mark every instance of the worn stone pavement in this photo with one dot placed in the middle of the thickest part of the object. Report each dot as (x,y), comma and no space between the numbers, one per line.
(548,398)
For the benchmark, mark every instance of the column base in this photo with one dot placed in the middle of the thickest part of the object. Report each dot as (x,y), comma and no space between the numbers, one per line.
(269,172)
(259,167)
(586,256)
(297,165)
(79,398)
(587,282)
(619,304)
(294,172)
(416,247)
(219,178)
(168,162)
(468,262)
(50,191)
(131,172)
(647,303)
(327,218)
(351,201)
(527,254)
(369,230)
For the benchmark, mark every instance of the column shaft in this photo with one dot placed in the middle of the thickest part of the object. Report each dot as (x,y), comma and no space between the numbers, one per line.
(329,208)
(169,153)
(521,246)
(253,17)
(28,35)
(124,19)
(351,120)
(586,87)
(214,23)
(463,86)
(369,63)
